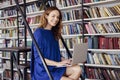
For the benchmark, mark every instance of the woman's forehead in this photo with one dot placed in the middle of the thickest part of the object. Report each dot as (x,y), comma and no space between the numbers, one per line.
(55,12)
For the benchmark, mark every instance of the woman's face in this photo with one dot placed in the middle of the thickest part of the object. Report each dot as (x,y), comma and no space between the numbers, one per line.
(53,18)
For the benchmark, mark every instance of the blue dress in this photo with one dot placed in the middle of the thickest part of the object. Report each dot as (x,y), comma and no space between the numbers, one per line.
(50,49)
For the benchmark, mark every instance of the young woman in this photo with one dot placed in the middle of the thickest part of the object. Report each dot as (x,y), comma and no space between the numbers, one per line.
(47,36)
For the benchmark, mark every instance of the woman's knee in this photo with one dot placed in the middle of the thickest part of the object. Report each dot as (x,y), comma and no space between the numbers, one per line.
(77,68)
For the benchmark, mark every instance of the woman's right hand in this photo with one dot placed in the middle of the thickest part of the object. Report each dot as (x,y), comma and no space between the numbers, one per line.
(66,62)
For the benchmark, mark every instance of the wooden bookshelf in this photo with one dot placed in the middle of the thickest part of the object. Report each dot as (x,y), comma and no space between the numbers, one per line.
(70,7)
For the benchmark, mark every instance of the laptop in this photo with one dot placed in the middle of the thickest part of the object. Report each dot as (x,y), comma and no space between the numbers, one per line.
(79,54)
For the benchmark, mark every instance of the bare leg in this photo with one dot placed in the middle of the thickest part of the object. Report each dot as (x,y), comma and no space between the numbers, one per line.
(65,78)
(73,72)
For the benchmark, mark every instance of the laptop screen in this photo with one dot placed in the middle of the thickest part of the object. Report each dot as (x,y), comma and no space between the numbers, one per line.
(79,53)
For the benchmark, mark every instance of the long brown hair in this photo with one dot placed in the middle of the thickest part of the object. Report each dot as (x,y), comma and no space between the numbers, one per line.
(43,22)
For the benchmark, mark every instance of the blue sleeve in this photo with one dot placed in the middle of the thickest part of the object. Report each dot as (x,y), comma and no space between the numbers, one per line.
(38,37)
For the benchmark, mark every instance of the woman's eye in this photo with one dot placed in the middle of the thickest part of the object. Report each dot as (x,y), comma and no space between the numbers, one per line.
(58,17)
(53,16)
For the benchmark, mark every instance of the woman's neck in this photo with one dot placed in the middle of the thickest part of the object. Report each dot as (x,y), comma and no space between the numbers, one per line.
(48,27)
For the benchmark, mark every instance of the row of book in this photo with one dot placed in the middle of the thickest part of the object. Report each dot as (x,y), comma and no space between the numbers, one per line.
(111,27)
(14,43)
(100,42)
(72,14)
(33,20)
(92,12)
(5,57)
(102,73)
(8,12)
(5,54)
(67,15)
(10,22)
(91,28)
(95,12)
(10,2)
(8,33)
(33,7)
(7,75)
(12,33)
(74,28)
(12,10)
(70,42)
(91,1)
(66,3)
(103,58)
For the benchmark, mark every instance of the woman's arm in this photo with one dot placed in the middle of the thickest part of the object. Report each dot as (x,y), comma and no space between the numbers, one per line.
(57,64)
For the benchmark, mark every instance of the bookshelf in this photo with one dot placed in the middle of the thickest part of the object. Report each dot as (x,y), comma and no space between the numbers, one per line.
(12,33)
(102,31)
(72,25)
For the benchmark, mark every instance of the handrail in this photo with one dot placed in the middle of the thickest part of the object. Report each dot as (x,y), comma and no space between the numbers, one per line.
(34,41)
(69,54)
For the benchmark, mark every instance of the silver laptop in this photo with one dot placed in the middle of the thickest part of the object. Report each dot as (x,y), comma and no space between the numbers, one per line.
(79,53)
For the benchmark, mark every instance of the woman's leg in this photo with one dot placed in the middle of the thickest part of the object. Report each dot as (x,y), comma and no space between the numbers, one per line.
(73,72)
(65,78)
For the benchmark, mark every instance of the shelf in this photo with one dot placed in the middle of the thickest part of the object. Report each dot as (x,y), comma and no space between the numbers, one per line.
(13,5)
(72,21)
(6,17)
(20,26)
(101,66)
(72,35)
(11,37)
(8,58)
(28,15)
(100,3)
(10,27)
(15,69)
(35,13)
(104,34)
(105,50)
(16,49)
(70,7)
(102,18)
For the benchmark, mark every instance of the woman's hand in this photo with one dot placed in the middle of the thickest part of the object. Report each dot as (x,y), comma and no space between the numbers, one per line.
(65,62)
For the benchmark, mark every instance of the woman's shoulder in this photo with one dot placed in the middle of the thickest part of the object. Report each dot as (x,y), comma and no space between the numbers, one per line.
(38,30)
